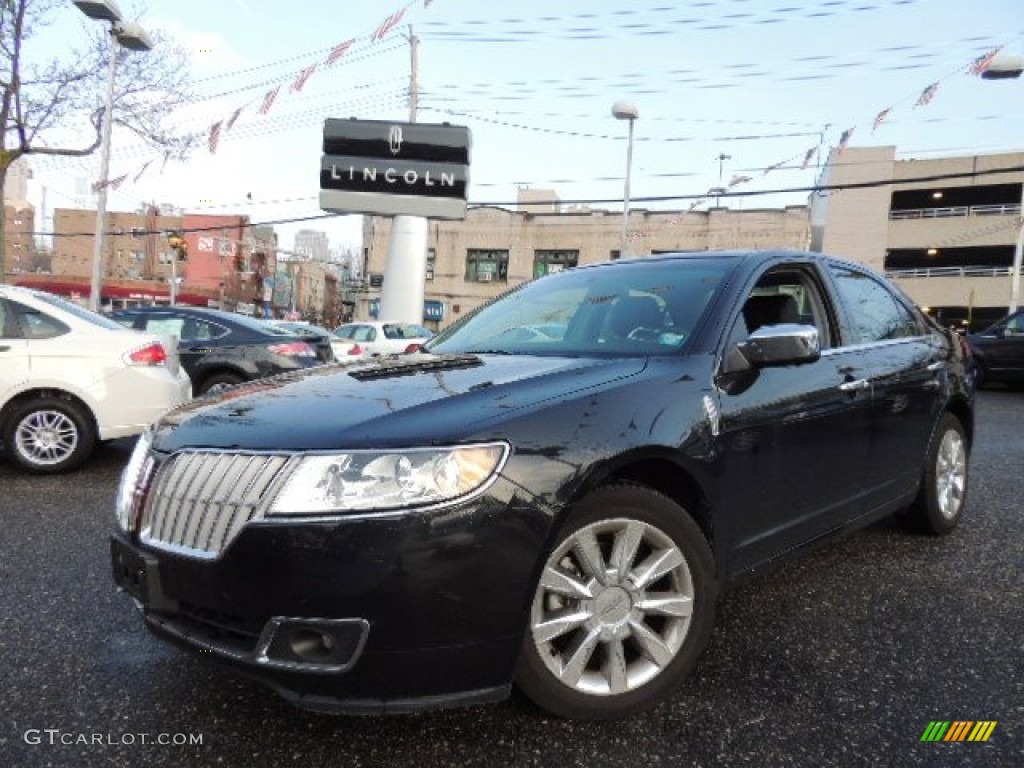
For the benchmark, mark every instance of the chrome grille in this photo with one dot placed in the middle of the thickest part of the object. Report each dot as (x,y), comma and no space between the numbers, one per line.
(200,500)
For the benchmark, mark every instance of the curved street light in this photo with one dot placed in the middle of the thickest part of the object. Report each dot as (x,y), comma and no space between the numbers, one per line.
(131,37)
(625,110)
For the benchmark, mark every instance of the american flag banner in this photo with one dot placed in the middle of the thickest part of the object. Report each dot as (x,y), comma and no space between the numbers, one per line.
(116,183)
(982,63)
(738,179)
(303,78)
(774,167)
(214,136)
(927,95)
(337,52)
(388,24)
(268,100)
(142,170)
(880,118)
(232,119)
(808,157)
(844,139)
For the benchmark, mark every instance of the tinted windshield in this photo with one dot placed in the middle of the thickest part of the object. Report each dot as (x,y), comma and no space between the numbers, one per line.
(631,309)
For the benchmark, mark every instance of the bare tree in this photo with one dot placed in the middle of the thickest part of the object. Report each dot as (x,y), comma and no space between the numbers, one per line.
(47,99)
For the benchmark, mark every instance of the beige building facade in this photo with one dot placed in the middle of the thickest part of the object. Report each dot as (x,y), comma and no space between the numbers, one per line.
(470,262)
(943,229)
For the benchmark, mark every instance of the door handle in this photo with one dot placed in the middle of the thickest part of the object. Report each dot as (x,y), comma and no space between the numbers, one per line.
(5,349)
(936,366)
(857,385)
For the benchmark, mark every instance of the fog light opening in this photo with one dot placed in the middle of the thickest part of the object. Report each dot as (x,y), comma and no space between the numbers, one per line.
(311,644)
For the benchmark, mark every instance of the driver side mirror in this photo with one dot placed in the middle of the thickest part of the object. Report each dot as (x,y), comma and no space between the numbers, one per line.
(774,345)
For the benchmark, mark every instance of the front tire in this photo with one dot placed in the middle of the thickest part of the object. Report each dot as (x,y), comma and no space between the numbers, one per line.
(940,501)
(623,608)
(49,435)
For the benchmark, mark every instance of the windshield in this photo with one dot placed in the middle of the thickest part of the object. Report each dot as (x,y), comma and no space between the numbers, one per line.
(405,331)
(628,309)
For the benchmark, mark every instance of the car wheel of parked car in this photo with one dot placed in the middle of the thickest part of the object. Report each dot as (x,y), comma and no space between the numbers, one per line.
(47,435)
(219,381)
(624,606)
(940,501)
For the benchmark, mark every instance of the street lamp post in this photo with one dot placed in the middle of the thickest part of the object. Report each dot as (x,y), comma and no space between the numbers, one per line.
(1004,67)
(624,110)
(722,157)
(131,37)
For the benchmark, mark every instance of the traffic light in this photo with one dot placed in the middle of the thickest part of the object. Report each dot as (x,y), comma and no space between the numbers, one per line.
(177,242)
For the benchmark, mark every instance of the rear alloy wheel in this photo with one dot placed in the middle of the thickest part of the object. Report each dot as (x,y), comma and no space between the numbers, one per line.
(940,502)
(623,609)
(48,435)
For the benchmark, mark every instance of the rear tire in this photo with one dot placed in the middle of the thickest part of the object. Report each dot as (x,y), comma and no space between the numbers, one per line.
(219,381)
(943,493)
(623,609)
(49,435)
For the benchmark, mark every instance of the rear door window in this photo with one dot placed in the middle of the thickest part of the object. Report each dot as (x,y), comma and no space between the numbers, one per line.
(36,324)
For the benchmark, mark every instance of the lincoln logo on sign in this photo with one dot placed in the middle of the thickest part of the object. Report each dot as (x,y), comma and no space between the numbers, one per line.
(360,170)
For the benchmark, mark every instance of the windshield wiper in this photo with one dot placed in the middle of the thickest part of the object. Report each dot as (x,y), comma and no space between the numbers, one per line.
(405,366)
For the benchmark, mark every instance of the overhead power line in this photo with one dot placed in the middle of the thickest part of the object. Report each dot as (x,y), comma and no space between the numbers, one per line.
(608,201)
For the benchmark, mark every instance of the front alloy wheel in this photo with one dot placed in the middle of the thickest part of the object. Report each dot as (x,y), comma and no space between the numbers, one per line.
(47,435)
(622,609)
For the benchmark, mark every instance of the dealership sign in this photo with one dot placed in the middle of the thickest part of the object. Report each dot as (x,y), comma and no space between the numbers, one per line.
(375,166)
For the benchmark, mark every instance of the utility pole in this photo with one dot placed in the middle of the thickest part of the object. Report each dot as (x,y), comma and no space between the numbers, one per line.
(401,296)
(414,85)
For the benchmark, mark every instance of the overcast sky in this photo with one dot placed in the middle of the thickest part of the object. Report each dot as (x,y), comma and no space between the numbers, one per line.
(762,81)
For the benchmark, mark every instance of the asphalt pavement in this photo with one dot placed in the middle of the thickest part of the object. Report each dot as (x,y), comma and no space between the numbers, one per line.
(840,658)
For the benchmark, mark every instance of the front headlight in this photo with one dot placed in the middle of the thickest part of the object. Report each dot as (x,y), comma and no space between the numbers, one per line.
(131,476)
(363,481)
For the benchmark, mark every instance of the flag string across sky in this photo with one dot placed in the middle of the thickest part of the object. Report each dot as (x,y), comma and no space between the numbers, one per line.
(220,128)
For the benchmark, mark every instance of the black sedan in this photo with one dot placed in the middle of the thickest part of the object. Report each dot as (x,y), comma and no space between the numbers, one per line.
(219,349)
(558,512)
(999,351)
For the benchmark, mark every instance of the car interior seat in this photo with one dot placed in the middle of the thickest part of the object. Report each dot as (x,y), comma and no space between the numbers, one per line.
(632,312)
(770,309)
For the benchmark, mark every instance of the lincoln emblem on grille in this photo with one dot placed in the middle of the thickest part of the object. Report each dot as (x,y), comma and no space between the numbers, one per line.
(395,139)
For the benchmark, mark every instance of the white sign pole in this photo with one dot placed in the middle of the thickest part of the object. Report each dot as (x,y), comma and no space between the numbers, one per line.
(405,274)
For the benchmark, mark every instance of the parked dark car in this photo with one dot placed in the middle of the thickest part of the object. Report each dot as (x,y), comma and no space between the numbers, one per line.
(556,511)
(998,351)
(219,349)
(321,339)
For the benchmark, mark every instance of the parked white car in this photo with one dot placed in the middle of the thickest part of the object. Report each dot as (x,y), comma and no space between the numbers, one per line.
(70,377)
(345,350)
(384,338)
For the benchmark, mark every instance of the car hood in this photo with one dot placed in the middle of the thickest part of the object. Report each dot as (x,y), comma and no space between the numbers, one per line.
(420,399)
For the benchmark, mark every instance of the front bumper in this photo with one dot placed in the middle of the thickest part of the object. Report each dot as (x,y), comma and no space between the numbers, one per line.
(419,610)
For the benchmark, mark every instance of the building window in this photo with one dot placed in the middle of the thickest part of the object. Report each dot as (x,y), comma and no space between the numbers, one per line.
(548,262)
(138,255)
(616,255)
(431,261)
(486,266)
